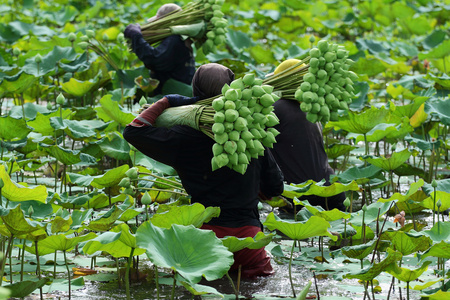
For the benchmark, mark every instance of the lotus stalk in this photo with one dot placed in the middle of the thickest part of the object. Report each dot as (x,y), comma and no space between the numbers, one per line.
(68,273)
(127,274)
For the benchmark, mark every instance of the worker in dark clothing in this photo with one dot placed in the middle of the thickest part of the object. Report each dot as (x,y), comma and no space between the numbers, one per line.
(172,62)
(189,152)
(299,150)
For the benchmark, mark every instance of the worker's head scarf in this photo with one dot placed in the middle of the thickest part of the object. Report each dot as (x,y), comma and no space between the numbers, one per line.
(164,10)
(209,79)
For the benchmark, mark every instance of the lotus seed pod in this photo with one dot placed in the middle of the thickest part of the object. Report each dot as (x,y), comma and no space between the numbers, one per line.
(84,38)
(146,199)
(120,38)
(38,58)
(71,37)
(143,101)
(16,51)
(132,173)
(434,183)
(312,39)
(347,202)
(83,45)
(60,99)
(90,33)
(125,182)
(249,79)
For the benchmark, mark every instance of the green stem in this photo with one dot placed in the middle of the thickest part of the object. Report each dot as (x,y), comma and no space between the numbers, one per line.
(38,268)
(68,273)
(233,286)
(54,266)
(173,286)
(22,259)
(127,274)
(157,282)
(8,250)
(290,268)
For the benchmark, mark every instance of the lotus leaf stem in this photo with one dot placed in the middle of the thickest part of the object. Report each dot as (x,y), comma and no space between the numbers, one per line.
(8,250)
(157,281)
(233,286)
(290,268)
(173,286)
(127,274)
(68,273)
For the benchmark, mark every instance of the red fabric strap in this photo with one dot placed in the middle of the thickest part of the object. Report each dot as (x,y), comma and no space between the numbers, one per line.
(148,117)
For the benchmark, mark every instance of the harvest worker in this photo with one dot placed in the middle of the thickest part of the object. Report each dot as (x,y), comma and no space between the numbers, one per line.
(171,62)
(299,149)
(189,152)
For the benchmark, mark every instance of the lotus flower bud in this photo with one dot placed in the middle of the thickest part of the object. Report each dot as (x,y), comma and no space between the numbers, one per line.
(312,39)
(60,99)
(105,37)
(129,191)
(38,58)
(364,208)
(146,199)
(71,37)
(434,183)
(439,203)
(120,38)
(30,210)
(16,51)
(125,182)
(347,202)
(83,45)
(90,33)
(143,101)
(132,173)
(49,106)
(84,38)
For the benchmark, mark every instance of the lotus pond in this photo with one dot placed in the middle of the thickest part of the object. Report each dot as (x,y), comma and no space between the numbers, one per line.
(86,216)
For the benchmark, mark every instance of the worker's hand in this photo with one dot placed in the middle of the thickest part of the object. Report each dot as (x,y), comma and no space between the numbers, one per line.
(132,30)
(178,100)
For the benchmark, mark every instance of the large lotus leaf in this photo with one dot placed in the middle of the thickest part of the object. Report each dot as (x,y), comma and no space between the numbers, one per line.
(106,221)
(41,122)
(11,128)
(131,213)
(443,80)
(328,215)
(368,66)
(16,84)
(336,150)
(80,217)
(441,249)
(59,224)
(314,227)
(151,164)
(102,200)
(369,273)
(376,134)
(361,91)
(194,214)
(116,147)
(392,162)
(49,61)
(110,178)
(362,232)
(361,122)
(193,253)
(408,110)
(61,242)
(360,174)
(427,284)
(78,88)
(16,223)
(411,81)
(78,130)
(439,232)
(407,243)
(431,201)
(110,110)
(235,244)
(405,274)
(442,185)
(401,198)
(371,214)
(238,40)
(15,192)
(30,109)
(69,157)
(24,288)
(440,51)
(439,295)
(441,108)
(317,188)
(359,251)
(423,144)
(200,289)
(79,179)
(434,39)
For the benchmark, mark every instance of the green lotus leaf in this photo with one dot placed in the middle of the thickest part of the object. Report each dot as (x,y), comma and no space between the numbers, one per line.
(193,253)
(440,108)
(59,224)
(317,188)
(235,244)
(49,61)
(361,122)
(336,150)
(11,128)
(238,40)
(442,185)
(439,232)
(116,147)
(391,163)
(383,131)
(412,81)
(24,288)
(422,144)
(405,274)
(439,295)
(118,242)
(328,215)
(101,201)
(434,39)
(130,213)
(443,80)
(369,273)
(441,249)
(314,227)
(110,110)
(430,202)
(17,193)
(407,110)
(440,51)
(427,284)
(68,157)
(78,88)
(79,179)
(42,123)
(61,242)
(263,55)
(106,221)
(154,165)
(359,251)
(407,243)
(77,130)
(16,223)
(79,217)
(401,198)
(359,174)
(371,213)
(368,66)
(110,178)
(367,234)
(194,214)
(17,84)
(200,289)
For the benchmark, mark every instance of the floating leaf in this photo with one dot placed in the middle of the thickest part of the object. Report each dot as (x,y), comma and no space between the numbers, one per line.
(193,253)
